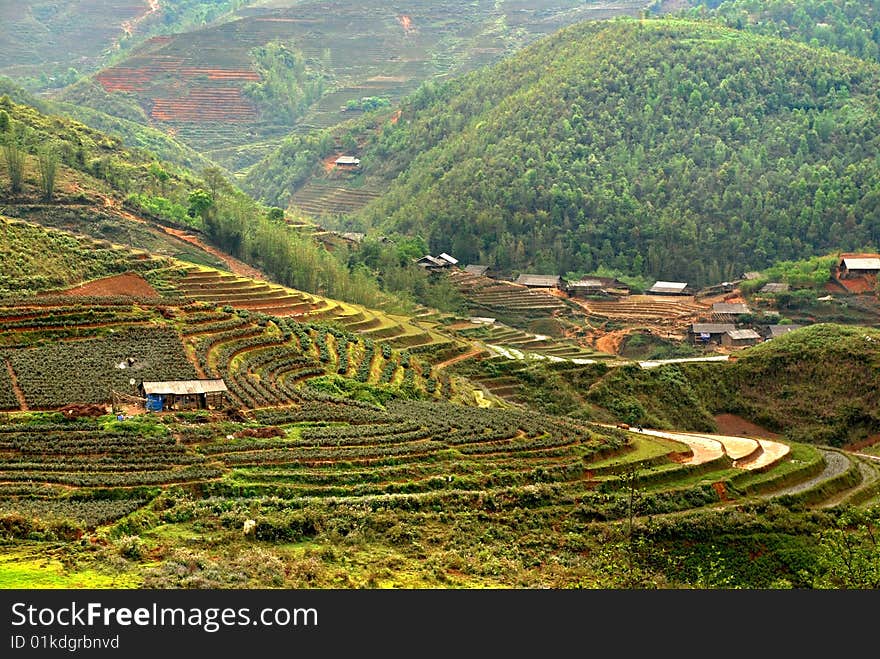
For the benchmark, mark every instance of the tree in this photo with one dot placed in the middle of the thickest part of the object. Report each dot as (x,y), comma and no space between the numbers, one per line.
(47,158)
(14,157)
(215,181)
(200,204)
(849,553)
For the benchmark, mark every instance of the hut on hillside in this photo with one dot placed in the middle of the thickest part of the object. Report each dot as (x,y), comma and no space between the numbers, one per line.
(183,394)
(705,333)
(739,338)
(540,281)
(669,288)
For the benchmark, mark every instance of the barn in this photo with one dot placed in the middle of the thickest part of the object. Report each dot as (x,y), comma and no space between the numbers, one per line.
(183,394)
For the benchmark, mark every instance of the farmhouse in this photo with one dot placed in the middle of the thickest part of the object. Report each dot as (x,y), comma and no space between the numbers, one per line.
(585,287)
(858,265)
(540,281)
(774,287)
(668,288)
(738,338)
(478,270)
(183,394)
(347,162)
(727,308)
(705,333)
(772,331)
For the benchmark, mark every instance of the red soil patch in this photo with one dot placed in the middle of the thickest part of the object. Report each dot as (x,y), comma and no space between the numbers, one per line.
(864,443)
(731,424)
(128,283)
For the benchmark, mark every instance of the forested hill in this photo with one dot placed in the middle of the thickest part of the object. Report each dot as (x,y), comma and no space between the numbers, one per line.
(849,26)
(669,148)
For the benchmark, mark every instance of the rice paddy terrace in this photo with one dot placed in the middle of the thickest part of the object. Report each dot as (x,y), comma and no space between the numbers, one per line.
(40,35)
(191,84)
(223,288)
(48,342)
(292,454)
(506,299)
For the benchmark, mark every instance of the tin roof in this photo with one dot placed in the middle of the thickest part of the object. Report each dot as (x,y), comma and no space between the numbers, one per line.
(862,263)
(712,328)
(743,334)
(668,287)
(183,387)
(727,307)
(538,280)
(449,259)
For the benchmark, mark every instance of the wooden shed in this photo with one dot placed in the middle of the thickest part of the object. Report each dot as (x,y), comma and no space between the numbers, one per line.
(184,394)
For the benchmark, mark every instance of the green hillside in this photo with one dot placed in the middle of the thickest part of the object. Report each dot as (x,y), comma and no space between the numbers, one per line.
(843,25)
(674,149)
(817,384)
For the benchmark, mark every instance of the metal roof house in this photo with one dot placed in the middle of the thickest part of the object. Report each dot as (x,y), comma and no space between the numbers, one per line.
(347,161)
(475,269)
(778,330)
(539,281)
(436,262)
(738,338)
(703,333)
(774,287)
(732,309)
(858,265)
(183,394)
(585,287)
(668,288)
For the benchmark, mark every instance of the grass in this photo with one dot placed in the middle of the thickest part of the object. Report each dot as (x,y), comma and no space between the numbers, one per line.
(31,566)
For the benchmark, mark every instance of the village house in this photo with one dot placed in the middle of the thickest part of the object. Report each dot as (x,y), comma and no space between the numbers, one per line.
(347,162)
(669,288)
(585,288)
(705,333)
(774,287)
(858,265)
(596,286)
(857,273)
(540,281)
(739,338)
(183,394)
(434,263)
(478,270)
(772,331)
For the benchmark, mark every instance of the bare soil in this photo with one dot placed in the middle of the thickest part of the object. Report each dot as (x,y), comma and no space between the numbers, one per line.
(732,424)
(128,283)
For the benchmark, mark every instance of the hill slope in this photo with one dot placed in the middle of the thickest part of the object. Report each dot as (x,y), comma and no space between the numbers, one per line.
(674,149)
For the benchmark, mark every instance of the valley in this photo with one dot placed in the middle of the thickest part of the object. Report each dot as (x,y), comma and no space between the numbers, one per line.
(494,295)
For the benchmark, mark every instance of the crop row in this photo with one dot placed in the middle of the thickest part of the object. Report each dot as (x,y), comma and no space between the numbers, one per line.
(85,371)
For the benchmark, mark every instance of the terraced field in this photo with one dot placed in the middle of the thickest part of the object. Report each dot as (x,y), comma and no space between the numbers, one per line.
(222,288)
(512,343)
(320,199)
(45,349)
(649,309)
(505,299)
(191,84)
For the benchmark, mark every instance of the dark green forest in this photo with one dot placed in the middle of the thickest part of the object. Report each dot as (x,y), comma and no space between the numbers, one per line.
(666,148)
